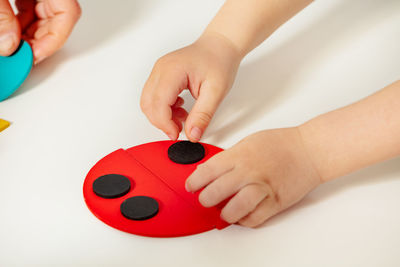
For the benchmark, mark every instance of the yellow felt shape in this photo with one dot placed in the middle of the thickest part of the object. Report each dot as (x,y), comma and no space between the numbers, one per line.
(3,124)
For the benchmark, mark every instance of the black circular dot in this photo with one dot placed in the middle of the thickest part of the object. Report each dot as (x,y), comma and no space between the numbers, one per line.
(111,186)
(186,152)
(139,208)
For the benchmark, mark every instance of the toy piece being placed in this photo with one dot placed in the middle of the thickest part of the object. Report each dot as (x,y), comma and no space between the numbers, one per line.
(141,191)
(186,152)
(14,69)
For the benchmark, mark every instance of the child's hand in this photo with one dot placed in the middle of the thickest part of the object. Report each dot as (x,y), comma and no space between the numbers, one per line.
(45,24)
(207,68)
(266,172)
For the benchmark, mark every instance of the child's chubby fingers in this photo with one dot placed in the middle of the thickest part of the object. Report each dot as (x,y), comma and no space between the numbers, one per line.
(208,171)
(264,210)
(160,100)
(262,175)
(206,68)
(245,202)
(179,115)
(221,188)
(162,118)
(210,95)
(233,182)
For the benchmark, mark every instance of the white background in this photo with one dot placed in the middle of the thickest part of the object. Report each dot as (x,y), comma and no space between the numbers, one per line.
(83,103)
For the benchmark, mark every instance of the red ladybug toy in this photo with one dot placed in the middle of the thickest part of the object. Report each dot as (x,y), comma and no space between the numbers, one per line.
(141,190)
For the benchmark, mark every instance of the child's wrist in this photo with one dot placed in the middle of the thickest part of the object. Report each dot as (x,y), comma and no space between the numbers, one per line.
(213,38)
(312,151)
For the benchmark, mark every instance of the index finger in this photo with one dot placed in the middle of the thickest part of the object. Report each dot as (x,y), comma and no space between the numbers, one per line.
(159,96)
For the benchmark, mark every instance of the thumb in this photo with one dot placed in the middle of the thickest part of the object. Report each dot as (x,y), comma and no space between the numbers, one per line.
(10,32)
(203,110)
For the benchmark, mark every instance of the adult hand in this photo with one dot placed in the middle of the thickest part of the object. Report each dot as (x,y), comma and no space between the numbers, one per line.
(44,24)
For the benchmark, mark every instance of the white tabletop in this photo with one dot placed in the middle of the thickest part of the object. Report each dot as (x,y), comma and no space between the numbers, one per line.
(83,103)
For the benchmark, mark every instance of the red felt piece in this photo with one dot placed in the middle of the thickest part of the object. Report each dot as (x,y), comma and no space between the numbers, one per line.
(153,174)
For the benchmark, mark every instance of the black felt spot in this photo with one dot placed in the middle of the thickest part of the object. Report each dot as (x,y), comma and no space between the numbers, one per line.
(111,186)
(139,208)
(186,152)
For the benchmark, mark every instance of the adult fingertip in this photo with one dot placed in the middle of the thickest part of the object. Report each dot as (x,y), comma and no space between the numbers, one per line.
(39,53)
(78,10)
(8,43)
(38,60)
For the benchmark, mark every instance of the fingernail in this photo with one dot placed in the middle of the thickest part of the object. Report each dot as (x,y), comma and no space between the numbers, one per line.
(38,55)
(195,134)
(7,42)
(187,188)
(37,61)
(170,136)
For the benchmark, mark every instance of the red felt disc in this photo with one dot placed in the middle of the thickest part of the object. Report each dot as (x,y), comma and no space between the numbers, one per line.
(154,175)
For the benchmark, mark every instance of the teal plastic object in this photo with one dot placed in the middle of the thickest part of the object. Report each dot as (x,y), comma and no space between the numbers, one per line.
(14,70)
